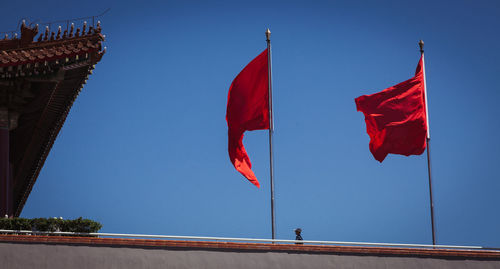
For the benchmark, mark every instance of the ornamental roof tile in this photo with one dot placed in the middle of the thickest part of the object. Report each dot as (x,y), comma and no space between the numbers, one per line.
(70,46)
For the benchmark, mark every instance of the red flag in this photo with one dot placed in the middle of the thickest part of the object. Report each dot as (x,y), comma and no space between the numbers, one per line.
(247,110)
(395,118)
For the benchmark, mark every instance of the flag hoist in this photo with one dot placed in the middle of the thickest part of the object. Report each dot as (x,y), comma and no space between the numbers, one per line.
(271,129)
(397,120)
(428,140)
(250,107)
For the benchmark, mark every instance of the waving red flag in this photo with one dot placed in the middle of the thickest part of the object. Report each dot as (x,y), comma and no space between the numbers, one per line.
(247,110)
(395,118)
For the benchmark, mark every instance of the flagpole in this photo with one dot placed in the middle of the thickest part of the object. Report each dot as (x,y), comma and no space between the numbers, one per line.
(271,130)
(428,140)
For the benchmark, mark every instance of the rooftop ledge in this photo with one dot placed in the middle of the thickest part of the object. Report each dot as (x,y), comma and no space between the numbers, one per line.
(253,245)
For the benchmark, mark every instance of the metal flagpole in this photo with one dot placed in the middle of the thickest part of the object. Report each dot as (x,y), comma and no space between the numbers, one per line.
(271,129)
(428,140)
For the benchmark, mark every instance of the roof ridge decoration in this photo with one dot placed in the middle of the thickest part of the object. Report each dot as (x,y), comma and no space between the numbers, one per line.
(24,56)
(28,35)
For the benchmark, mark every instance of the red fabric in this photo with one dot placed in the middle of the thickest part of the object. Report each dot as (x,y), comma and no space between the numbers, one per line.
(395,118)
(247,110)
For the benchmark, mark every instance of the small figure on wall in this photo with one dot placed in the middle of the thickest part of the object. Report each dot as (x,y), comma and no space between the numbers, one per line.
(298,236)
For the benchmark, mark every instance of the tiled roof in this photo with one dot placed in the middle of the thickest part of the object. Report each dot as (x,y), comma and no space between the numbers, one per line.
(25,57)
(48,70)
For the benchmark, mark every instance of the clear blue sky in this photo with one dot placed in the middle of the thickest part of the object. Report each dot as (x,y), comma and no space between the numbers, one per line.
(144,148)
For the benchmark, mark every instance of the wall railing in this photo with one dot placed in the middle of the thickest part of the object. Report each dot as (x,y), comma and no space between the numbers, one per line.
(236,239)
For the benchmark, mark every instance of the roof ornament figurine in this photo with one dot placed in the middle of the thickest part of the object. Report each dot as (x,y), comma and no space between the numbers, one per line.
(46,36)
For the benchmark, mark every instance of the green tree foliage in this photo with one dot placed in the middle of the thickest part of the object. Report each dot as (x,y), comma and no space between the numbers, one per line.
(78,225)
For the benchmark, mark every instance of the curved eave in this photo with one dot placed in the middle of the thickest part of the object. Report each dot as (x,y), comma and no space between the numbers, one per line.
(55,71)
(63,96)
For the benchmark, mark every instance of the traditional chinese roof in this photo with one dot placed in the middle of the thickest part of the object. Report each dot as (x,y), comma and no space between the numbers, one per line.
(40,77)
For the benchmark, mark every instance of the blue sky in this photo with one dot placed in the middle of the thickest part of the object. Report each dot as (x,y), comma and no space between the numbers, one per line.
(144,148)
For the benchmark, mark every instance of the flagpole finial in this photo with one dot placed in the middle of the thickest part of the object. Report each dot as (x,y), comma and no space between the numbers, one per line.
(268,35)
(421,44)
